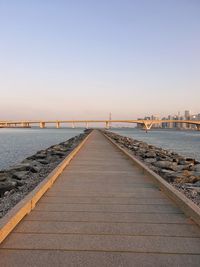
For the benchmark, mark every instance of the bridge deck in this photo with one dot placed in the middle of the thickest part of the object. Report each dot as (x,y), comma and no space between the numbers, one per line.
(102,211)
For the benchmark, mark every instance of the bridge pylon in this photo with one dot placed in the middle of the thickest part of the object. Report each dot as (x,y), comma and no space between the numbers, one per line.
(107,125)
(58,124)
(87,125)
(42,125)
(147,126)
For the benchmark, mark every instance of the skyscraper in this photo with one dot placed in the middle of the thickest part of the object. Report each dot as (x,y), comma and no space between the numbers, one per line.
(187,114)
(187,117)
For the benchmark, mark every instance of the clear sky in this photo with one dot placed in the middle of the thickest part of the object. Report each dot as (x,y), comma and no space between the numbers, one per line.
(71,59)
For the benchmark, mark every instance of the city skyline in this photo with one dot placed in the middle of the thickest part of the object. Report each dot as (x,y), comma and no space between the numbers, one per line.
(83,60)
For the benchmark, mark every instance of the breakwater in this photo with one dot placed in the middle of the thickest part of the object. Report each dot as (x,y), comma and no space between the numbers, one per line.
(18,144)
(183,142)
(182,172)
(18,180)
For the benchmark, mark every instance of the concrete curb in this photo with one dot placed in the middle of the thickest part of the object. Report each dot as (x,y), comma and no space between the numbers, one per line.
(185,204)
(17,213)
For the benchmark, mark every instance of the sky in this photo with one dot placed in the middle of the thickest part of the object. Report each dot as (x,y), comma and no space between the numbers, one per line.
(75,59)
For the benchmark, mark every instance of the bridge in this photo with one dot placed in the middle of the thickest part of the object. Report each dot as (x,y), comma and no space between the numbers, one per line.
(145,124)
(102,208)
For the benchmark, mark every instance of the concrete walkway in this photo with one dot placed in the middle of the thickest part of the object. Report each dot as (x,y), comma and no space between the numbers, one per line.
(102,211)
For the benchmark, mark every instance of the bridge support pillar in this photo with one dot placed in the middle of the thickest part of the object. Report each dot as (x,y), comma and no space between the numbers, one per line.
(23,124)
(42,125)
(198,127)
(107,125)
(86,125)
(73,125)
(58,124)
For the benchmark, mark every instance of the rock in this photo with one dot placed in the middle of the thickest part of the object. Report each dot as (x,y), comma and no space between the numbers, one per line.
(19,183)
(20,167)
(193,193)
(166,165)
(188,167)
(174,159)
(182,162)
(41,156)
(35,166)
(185,179)
(197,184)
(58,153)
(190,160)
(153,168)
(19,175)
(35,169)
(134,148)
(57,147)
(186,173)
(43,161)
(7,186)
(150,160)
(193,179)
(197,168)
(167,174)
(150,154)
(3,176)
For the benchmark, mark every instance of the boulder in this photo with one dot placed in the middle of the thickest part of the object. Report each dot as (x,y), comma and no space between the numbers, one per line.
(19,175)
(41,156)
(188,167)
(197,184)
(3,176)
(197,168)
(57,147)
(182,162)
(150,160)
(185,179)
(167,174)
(21,167)
(7,186)
(150,154)
(134,148)
(193,161)
(168,165)
(43,161)
(58,153)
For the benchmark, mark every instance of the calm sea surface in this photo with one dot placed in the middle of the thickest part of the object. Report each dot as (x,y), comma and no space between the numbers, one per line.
(186,143)
(17,144)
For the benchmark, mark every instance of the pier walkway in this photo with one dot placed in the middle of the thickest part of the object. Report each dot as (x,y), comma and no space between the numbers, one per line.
(102,211)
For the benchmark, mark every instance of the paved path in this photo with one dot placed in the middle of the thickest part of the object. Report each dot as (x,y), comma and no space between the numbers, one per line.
(102,211)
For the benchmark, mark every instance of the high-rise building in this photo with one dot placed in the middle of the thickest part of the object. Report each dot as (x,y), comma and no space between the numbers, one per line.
(170,124)
(164,124)
(187,114)
(155,118)
(187,117)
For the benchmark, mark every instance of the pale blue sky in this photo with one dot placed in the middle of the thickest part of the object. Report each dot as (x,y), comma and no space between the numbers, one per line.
(82,59)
